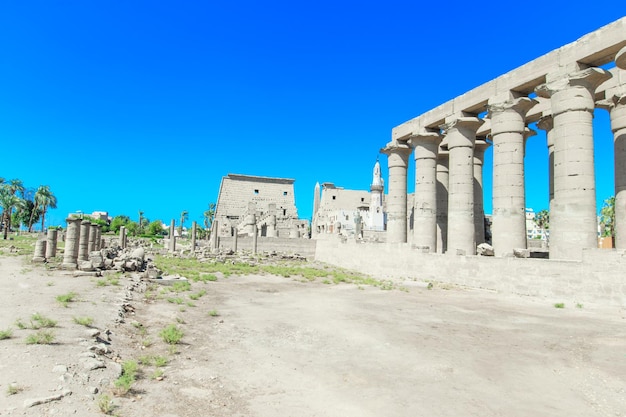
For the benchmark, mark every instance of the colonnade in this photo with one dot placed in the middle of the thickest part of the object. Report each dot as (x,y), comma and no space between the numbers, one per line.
(81,238)
(448,200)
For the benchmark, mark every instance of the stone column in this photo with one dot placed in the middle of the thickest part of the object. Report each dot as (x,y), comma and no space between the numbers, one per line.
(255,236)
(508,228)
(40,250)
(172,243)
(235,238)
(442,199)
(573,224)
(460,134)
(546,124)
(70,253)
(214,229)
(617,110)
(51,244)
(480,145)
(397,162)
(194,230)
(93,235)
(122,237)
(83,245)
(99,244)
(425,147)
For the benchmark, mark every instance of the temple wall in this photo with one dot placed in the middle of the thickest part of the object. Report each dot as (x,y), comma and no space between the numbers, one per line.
(598,278)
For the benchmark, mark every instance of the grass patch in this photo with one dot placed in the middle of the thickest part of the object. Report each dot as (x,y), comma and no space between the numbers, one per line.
(105,404)
(37,321)
(559,305)
(160,361)
(66,299)
(83,321)
(147,342)
(41,337)
(22,245)
(172,334)
(180,286)
(158,373)
(175,300)
(6,334)
(196,296)
(579,305)
(214,313)
(13,389)
(124,383)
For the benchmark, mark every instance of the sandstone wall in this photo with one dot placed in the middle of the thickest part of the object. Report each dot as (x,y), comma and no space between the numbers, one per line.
(303,247)
(598,278)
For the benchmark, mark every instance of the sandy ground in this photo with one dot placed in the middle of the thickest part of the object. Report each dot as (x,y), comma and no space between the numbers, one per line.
(280,347)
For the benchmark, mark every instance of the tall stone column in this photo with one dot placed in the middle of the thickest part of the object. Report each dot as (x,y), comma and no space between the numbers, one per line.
(397,162)
(194,230)
(83,245)
(93,235)
(70,253)
(255,237)
(573,225)
(425,147)
(546,124)
(480,145)
(442,199)
(172,243)
(99,244)
(51,245)
(617,110)
(235,238)
(460,135)
(508,228)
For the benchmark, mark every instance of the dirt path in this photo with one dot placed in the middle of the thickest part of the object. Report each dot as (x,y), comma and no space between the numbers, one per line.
(272,346)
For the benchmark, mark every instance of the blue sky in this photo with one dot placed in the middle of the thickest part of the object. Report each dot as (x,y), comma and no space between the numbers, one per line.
(144,105)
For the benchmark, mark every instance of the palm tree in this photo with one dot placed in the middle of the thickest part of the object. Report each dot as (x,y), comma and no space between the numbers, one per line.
(184,215)
(8,200)
(44,199)
(208,215)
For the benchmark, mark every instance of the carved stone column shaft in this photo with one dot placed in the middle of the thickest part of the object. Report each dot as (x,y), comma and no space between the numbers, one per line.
(397,162)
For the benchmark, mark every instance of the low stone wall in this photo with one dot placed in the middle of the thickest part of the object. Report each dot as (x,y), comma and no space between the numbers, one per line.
(303,247)
(599,278)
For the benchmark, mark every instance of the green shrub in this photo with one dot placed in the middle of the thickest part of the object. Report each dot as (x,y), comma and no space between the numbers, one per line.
(42,337)
(172,334)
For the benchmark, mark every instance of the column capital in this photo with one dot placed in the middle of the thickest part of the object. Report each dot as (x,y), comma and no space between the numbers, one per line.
(466,126)
(620,59)
(520,105)
(425,144)
(612,101)
(546,123)
(397,147)
(589,78)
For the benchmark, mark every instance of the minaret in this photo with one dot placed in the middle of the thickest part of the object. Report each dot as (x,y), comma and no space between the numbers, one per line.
(376,215)
(316,206)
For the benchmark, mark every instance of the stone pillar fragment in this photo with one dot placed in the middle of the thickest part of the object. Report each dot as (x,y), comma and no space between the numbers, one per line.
(255,237)
(479,211)
(573,225)
(83,245)
(99,240)
(40,250)
(194,230)
(122,237)
(70,253)
(214,229)
(172,242)
(508,229)
(460,135)
(425,147)
(442,199)
(235,239)
(51,243)
(93,235)
(397,162)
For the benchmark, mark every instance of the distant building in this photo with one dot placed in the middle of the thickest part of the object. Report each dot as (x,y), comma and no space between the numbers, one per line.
(349,212)
(246,200)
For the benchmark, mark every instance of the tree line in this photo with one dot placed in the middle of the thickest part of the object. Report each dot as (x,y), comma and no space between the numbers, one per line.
(23,206)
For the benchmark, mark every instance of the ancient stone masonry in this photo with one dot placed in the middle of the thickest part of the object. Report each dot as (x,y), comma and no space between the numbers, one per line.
(558,93)
(246,201)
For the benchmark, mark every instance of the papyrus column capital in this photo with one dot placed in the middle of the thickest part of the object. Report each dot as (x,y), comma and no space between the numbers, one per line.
(397,153)
(425,144)
(466,126)
(588,79)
